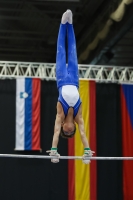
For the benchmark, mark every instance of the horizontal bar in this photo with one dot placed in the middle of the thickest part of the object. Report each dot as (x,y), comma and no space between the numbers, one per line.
(63,157)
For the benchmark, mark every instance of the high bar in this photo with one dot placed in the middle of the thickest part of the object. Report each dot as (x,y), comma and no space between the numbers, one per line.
(63,157)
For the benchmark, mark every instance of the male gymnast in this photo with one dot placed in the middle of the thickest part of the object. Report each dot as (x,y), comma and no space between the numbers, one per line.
(69,107)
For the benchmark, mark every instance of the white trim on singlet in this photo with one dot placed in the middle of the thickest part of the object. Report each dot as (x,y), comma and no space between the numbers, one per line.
(70,94)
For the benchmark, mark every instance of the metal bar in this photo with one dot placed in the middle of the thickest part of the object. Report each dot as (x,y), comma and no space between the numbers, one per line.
(115,36)
(98,73)
(64,157)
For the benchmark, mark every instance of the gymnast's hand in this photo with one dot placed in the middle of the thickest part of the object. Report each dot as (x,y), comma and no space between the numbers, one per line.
(87,154)
(53,152)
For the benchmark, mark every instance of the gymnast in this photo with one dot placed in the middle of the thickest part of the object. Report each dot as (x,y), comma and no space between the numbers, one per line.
(69,108)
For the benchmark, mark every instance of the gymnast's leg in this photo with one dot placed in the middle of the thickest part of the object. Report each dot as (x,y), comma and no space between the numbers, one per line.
(61,53)
(72,53)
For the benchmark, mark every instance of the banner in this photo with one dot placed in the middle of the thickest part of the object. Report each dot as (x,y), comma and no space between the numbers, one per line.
(82,178)
(27,114)
(127,139)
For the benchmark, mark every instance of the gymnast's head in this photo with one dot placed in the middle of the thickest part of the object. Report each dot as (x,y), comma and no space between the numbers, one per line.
(68,129)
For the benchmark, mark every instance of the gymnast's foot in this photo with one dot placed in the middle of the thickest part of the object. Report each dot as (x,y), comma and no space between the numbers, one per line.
(64,19)
(69,16)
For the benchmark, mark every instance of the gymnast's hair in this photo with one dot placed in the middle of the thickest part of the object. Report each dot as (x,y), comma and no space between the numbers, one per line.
(62,134)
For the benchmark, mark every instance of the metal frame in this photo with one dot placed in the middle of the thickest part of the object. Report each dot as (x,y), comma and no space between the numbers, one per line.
(46,71)
(64,157)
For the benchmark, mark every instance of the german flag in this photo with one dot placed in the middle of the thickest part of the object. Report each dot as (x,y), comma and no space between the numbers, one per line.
(82,178)
(102,118)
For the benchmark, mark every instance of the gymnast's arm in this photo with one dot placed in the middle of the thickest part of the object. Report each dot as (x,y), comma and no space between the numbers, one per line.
(57,126)
(79,120)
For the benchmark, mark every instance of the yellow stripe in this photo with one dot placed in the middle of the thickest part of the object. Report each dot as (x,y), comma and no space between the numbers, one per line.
(82,171)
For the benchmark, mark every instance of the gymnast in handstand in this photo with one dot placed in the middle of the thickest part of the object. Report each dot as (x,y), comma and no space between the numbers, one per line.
(69,107)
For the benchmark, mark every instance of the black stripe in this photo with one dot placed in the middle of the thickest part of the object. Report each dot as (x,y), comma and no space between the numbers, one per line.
(109,141)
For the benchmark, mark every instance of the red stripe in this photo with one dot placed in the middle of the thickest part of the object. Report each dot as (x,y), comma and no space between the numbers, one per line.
(127,140)
(93,165)
(36,86)
(71,170)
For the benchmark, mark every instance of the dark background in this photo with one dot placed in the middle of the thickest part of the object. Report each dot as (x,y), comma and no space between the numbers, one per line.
(31,179)
(109,141)
(28,32)
(29,29)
